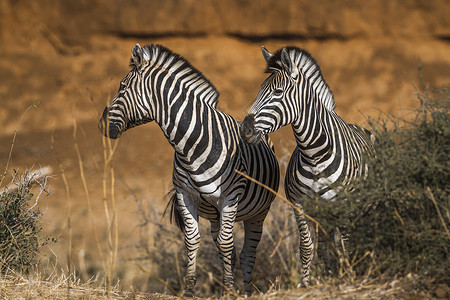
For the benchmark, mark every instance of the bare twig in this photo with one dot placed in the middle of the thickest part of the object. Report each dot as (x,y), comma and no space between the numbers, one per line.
(83,179)
(290,203)
(157,278)
(438,211)
(69,213)
(14,140)
(281,238)
(30,178)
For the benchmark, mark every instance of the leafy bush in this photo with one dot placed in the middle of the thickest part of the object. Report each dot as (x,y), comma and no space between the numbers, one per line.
(20,225)
(400,213)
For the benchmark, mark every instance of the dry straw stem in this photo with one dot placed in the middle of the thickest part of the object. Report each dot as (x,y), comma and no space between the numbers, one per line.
(346,267)
(108,263)
(290,203)
(438,211)
(14,140)
(86,191)
(113,227)
(69,210)
(112,222)
(30,178)
(55,287)
(228,293)
(113,233)
(402,288)
(283,233)
(157,278)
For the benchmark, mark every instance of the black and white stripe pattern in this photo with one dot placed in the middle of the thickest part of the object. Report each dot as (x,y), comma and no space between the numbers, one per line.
(328,149)
(164,87)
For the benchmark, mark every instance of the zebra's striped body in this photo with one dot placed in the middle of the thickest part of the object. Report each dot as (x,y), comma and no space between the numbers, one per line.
(328,150)
(165,88)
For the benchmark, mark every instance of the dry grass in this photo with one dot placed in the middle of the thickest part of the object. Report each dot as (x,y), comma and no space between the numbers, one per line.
(402,288)
(159,256)
(34,287)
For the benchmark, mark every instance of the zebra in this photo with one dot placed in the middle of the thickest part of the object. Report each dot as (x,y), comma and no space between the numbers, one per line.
(327,151)
(164,87)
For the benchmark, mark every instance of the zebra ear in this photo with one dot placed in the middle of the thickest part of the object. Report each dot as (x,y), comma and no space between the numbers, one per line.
(137,56)
(288,64)
(267,55)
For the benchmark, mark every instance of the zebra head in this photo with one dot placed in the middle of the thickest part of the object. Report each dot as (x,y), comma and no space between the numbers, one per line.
(293,89)
(272,110)
(129,107)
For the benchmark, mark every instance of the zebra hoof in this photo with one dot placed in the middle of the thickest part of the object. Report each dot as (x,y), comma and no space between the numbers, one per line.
(188,294)
(190,284)
(303,284)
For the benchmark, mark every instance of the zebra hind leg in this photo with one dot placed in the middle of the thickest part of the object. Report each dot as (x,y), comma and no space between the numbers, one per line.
(306,245)
(253,231)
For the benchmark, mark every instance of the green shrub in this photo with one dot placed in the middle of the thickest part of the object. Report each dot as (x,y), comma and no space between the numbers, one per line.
(20,225)
(400,213)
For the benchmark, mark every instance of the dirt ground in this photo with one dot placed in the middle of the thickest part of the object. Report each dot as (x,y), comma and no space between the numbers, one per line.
(71,63)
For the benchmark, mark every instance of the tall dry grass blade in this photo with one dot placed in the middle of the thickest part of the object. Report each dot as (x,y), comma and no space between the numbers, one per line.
(280,255)
(229,292)
(256,288)
(289,203)
(69,211)
(115,218)
(354,263)
(158,278)
(112,222)
(8,161)
(177,266)
(86,191)
(346,266)
(438,211)
(283,234)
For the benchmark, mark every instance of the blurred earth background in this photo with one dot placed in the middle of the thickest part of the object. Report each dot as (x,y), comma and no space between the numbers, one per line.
(70,56)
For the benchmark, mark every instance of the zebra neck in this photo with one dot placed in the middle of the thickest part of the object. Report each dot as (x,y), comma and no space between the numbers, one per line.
(314,133)
(180,120)
(198,133)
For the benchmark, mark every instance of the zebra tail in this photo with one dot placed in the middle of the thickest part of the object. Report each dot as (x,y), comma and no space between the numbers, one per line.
(174,211)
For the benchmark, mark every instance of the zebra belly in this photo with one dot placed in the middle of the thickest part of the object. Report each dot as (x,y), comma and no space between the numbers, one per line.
(253,200)
(306,180)
(248,207)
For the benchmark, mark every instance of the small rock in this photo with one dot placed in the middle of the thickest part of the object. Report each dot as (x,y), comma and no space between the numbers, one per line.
(440,292)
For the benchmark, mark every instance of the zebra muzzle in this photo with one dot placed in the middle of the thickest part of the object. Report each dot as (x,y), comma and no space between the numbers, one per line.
(248,131)
(107,128)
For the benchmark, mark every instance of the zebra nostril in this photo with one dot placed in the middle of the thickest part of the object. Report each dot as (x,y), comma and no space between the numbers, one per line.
(107,128)
(248,132)
(247,129)
(114,131)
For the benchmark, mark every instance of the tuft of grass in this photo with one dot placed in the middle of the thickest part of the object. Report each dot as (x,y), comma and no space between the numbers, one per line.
(20,224)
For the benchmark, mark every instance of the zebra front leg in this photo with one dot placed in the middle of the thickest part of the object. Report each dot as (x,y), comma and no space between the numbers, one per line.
(225,243)
(189,213)
(215,228)
(253,231)
(306,244)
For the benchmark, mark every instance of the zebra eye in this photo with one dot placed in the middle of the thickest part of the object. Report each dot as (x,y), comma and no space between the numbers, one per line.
(278,92)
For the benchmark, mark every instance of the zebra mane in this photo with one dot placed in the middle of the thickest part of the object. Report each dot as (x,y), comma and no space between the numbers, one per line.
(166,59)
(310,69)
